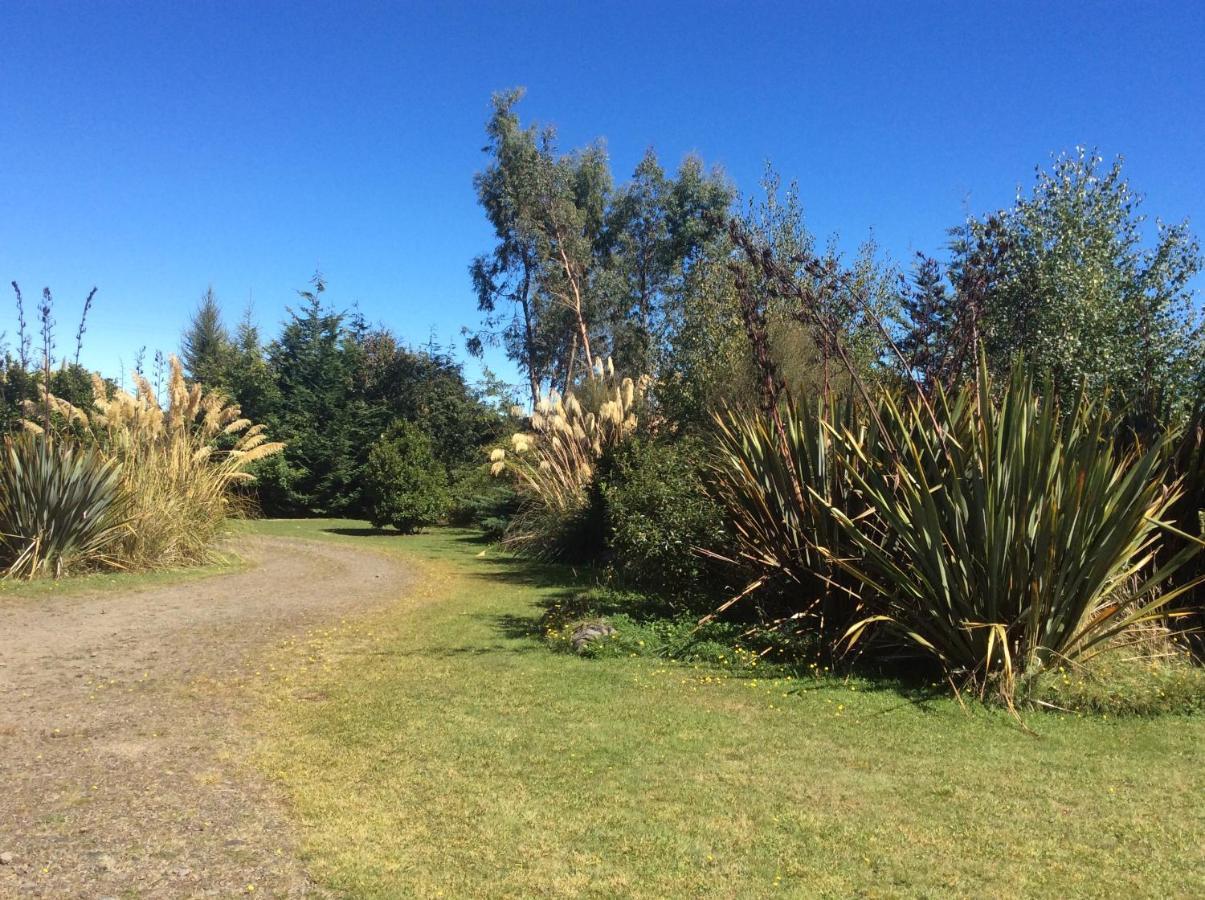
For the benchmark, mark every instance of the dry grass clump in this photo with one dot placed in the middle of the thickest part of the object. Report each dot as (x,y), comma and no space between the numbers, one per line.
(553,463)
(179,463)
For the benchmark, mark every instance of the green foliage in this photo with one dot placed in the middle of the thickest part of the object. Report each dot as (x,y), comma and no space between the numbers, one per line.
(250,380)
(932,343)
(708,365)
(582,270)
(428,386)
(647,626)
(404,486)
(329,385)
(1123,682)
(326,425)
(1187,514)
(658,228)
(61,506)
(659,519)
(1073,282)
(780,491)
(479,500)
(547,210)
(1007,536)
(19,388)
(206,348)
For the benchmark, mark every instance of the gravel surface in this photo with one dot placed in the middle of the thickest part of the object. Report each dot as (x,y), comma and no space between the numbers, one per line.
(121,737)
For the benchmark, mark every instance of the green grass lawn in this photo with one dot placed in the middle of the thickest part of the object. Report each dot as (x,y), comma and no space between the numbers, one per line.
(440,749)
(115,582)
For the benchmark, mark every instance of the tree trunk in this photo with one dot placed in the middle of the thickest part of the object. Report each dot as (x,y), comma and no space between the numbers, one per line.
(533,375)
(569,366)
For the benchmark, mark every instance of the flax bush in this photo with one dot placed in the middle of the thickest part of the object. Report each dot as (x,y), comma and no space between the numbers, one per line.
(1008,536)
(61,507)
(988,529)
(780,491)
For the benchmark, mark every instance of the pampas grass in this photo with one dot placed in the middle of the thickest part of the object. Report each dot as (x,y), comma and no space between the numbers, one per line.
(553,464)
(180,463)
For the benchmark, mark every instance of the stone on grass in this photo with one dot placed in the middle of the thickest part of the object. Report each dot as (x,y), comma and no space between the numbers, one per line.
(589,633)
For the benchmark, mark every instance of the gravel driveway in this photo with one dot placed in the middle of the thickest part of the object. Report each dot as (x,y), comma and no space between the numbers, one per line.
(120,741)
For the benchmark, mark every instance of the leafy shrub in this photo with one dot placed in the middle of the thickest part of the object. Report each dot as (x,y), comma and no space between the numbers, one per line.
(60,506)
(180,465)
(479,500)
(1008,537)
(403,484)
(554,466)
(659,517)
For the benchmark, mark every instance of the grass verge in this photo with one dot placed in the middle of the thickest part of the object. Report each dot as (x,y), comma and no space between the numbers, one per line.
(13,590)
(440,749)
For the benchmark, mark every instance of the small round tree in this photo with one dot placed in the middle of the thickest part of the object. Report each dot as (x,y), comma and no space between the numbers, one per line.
(404,484)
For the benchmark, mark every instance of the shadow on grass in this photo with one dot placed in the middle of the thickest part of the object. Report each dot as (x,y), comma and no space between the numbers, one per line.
(569,594)
(516,628)
(459,536)
(364,532)
(571,591)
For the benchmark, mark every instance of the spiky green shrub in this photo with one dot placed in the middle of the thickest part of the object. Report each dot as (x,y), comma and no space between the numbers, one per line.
(1187,514)
(61,507)
(779,491)
(403,484)
(1008,536)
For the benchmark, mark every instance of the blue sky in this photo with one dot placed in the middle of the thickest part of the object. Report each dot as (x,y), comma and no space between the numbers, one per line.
(153,149)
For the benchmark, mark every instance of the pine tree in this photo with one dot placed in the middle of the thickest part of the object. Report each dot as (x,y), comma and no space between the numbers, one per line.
(929,312)
(206,349)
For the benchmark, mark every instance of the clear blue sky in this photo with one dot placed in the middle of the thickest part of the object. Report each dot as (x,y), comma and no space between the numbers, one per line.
(155,148)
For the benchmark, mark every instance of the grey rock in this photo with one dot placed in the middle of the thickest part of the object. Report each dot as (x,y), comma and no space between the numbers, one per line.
(589,633)
(106,863)
(6,859)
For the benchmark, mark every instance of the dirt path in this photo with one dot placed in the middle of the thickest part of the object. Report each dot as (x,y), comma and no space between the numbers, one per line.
(119,772)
